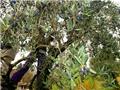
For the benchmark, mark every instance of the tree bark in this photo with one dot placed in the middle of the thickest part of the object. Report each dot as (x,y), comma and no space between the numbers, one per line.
(41,73)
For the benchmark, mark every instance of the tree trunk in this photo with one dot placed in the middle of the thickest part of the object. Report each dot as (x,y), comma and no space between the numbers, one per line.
(42,72)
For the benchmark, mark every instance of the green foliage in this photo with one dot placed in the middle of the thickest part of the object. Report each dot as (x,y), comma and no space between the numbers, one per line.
(66,72)
(32,23)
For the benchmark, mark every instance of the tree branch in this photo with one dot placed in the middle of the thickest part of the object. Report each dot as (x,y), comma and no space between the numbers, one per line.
(20,60)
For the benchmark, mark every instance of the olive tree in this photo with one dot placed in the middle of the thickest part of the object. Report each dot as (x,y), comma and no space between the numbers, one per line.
(47,28)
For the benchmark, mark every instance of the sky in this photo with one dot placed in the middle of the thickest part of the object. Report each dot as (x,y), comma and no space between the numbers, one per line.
(116,2)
